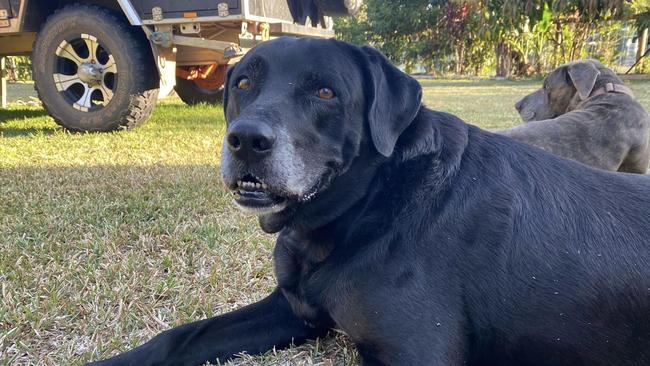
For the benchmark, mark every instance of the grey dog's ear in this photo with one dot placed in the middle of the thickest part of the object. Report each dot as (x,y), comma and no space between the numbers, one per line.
(226,82)
(393,100)
(583,74)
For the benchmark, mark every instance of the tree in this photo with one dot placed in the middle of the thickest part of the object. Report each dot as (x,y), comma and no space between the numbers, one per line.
(640,11)
(510,37)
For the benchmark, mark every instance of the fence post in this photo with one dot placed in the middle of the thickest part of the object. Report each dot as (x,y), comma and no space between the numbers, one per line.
(642,41)
(3,83)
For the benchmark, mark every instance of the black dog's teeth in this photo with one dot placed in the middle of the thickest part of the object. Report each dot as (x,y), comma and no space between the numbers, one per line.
(251,183)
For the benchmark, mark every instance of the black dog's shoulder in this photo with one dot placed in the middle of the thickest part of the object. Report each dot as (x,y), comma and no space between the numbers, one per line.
(526,189)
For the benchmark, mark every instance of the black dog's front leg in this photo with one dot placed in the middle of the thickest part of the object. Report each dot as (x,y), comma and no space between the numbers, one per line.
(254,329)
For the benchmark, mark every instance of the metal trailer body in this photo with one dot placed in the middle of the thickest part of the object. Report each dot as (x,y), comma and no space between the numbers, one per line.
(191,41)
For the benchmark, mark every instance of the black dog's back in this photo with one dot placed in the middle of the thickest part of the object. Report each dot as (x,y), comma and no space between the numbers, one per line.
(566,281)
(552,256)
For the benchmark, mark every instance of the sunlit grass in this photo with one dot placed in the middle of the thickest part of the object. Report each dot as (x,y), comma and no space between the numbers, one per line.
(490,103)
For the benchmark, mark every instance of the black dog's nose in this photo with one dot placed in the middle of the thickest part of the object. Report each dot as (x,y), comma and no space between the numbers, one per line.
(250,139)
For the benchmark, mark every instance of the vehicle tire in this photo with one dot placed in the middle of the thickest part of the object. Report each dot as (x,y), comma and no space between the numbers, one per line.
(191,93)
(338,7)
(93,71)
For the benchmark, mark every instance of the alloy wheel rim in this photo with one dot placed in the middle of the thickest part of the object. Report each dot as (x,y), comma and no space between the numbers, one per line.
(85,73)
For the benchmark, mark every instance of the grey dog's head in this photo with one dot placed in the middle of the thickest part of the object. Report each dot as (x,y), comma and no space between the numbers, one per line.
(300,111)
(563,90)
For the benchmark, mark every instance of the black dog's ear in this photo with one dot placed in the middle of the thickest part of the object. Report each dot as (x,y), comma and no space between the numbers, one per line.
(583,75)
(226,82)
(393,101)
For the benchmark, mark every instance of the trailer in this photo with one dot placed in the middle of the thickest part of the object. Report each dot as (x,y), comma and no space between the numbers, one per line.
(100,65)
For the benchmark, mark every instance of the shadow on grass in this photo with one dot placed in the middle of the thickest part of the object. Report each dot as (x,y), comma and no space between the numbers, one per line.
(178,117)
(8,114)
(18,132)
(23,114)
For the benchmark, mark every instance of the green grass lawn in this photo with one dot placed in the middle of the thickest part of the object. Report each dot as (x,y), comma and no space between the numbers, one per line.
(108,239)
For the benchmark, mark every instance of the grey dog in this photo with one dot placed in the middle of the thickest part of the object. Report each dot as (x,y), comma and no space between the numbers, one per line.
(585,113)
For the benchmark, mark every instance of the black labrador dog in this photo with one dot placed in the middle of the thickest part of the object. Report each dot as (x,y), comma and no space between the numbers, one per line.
(427,240)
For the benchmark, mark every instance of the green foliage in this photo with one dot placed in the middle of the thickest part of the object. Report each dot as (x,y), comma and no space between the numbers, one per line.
(640,10)
(399,28)
(19,68)
(643,21)
(511,37)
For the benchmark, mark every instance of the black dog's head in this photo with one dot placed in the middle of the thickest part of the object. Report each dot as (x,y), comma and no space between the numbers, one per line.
(300,111)
(563,90)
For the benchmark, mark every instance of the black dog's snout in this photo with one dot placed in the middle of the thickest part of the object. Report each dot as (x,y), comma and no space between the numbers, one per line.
(249,139)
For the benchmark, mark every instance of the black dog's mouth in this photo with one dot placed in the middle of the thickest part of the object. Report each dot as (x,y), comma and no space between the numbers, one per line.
(322,184)
(527,115)
(253,194)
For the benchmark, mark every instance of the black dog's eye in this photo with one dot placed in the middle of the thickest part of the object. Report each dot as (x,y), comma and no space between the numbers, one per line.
(325,93)
(244,83)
